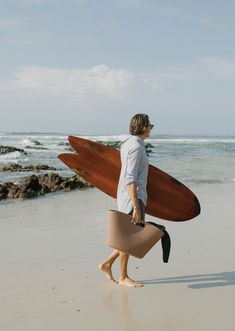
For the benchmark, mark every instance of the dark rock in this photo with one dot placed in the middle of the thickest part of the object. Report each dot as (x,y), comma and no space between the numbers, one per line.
(70,149)
(28,188)
(148,148)
(4,189)
(63,143)
(12,167)
(14,192)
(53,182)
(10,149)
(33,186)
(38,167)
(149,145)
(37,143)
(36,147)
(3,196)
(50,181)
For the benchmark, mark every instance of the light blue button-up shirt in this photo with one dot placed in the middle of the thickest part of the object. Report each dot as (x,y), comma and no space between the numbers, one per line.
(134,170)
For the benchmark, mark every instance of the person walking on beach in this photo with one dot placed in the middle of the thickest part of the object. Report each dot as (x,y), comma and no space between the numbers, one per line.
(131,193)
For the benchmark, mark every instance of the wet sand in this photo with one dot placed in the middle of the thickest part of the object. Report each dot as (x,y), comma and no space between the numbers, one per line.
(50,249)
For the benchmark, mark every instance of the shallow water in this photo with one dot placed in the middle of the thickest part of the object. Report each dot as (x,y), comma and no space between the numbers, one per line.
(191,159)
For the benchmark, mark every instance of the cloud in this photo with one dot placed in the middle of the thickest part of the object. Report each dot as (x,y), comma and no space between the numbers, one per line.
(102,83)
(98,81)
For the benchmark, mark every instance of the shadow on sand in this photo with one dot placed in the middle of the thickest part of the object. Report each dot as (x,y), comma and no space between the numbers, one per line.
(198,281)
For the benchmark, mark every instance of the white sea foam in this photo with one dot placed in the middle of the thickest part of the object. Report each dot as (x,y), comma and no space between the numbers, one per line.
(191,141)
(120,137)
(27,142)
(10,157)
(48,137)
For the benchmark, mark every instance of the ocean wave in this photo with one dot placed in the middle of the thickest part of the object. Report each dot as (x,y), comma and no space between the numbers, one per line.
(50,137)
(120,137)
(33,136)
(30,142)
(208,181)
(113,137)
(10,157)
(190,141)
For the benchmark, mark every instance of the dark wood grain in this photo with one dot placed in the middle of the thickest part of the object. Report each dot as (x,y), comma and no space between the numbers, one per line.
(168,198)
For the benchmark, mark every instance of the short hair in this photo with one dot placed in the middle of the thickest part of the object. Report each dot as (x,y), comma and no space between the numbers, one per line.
(138,124)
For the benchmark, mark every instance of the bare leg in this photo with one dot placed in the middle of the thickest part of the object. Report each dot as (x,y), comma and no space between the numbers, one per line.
(124,278)
(106,266)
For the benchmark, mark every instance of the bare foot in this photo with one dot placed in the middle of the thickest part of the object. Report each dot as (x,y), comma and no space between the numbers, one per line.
(130,278)
(105,267)
(129,282)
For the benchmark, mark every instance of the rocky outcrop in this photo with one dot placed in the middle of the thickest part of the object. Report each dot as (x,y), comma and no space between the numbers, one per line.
(66,146)
(63,143)
(148,148)
(69,149)
(34,144)
(37,143)
(12,167)
(4,189)
(34,186)
(10,149)
(41,148)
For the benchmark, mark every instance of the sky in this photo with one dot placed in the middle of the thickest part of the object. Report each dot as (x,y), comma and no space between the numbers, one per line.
(88,66)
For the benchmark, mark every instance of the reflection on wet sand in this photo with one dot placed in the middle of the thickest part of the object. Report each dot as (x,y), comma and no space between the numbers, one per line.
(117,302)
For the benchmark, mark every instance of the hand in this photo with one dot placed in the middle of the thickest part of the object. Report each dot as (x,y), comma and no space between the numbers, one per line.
(136,216)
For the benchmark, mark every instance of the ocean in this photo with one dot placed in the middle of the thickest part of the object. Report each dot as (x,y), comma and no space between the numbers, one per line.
(194,160)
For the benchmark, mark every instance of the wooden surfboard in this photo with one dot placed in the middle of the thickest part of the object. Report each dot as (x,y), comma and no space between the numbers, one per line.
(100,165)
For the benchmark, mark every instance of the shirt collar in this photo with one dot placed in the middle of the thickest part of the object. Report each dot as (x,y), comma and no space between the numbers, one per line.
(137,138)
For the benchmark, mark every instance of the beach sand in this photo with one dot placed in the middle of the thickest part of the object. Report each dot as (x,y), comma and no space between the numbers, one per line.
(50,249)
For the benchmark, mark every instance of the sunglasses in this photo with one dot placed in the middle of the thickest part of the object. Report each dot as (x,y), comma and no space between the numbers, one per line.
(150,126)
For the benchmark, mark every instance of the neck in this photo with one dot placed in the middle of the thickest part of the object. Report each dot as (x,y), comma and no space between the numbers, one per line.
(143,136)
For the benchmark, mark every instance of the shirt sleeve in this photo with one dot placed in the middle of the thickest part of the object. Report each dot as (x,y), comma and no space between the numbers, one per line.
(132,165)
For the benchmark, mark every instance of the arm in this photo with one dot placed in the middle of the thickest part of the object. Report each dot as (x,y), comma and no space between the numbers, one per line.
(132,188)
(133,164)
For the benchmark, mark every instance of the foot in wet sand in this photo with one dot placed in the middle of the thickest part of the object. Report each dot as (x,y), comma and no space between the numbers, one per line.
(129,282)
(106,268)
